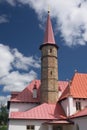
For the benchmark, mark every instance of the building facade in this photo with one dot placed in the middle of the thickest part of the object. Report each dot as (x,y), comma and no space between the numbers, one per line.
(50,104)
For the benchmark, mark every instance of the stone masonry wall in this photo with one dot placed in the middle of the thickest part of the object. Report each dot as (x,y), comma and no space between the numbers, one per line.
(49,74)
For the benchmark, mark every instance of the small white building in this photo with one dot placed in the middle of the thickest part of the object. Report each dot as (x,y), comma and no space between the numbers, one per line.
(50,104)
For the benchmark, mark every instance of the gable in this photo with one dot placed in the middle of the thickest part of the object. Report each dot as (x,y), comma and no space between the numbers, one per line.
(77,87)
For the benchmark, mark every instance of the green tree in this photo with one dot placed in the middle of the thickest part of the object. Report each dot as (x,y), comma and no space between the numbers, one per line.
(3,115)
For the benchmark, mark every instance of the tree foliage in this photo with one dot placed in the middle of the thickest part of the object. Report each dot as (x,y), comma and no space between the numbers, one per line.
(3,115)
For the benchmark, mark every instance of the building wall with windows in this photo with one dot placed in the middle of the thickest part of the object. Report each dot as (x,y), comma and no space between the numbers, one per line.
(26,124)
(36,125)
(71,106)
(81,103)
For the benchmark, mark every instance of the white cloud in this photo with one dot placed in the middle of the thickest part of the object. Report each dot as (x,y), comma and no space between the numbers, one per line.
(15,69)
(3,19)
(11,2)
(22,62)
(70,15)
(4,99)
(16,81)
(11,59)
(6,58)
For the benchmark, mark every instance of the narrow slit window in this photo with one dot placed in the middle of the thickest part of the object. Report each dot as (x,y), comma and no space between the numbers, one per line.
(51,72)
(78,105)
(50,50)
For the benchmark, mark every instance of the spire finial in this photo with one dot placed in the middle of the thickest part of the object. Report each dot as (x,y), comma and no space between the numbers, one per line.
(49,35)
(48,9)
(76,70)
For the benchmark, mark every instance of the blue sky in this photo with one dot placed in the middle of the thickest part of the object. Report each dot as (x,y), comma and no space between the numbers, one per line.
(22,25)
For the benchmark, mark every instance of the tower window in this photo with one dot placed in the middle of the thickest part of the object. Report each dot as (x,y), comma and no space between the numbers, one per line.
(30,127)
(51,72)
(50,50)
(78,105)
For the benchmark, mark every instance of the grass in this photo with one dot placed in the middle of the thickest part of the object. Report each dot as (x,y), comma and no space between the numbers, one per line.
(3,127)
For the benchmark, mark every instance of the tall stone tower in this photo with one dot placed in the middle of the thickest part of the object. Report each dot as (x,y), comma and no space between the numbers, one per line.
(49,66)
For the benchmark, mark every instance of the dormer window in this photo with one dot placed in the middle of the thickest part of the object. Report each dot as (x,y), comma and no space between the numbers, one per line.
(35,91)
(78,105)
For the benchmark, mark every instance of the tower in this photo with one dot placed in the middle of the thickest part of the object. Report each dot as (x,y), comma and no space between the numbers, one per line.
(49,66)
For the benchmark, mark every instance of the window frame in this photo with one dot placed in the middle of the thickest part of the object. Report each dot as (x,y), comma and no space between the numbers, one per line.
(57,128)
(78,105)
(30,127)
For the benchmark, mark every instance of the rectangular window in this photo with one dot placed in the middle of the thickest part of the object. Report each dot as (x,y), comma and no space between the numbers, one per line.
(78,105)
(30,127)
(57,127)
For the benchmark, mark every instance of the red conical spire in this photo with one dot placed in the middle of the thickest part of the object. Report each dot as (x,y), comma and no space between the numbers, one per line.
(49,35)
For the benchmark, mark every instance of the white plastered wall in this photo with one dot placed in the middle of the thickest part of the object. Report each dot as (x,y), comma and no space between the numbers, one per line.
(64,104)
(21,124)
(21,106)
(81,122)
(69,105)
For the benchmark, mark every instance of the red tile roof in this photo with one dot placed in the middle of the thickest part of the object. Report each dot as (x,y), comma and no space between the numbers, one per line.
(49,35)
(77,88)
(44,111)
(81,113)
(27,94)
(62,85)
(14,94)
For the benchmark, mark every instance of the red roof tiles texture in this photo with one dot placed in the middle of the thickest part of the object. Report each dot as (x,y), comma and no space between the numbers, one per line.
(62,85)
(49,35)
(44,111)
(14,94)
(78,87)
(80,113)
(27,94)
